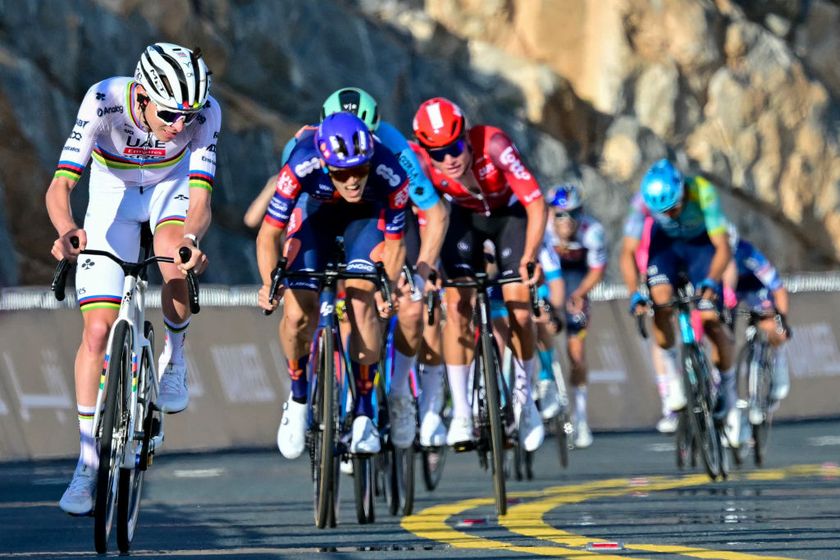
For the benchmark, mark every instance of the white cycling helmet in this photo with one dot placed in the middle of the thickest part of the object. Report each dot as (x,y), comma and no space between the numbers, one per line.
(175,77)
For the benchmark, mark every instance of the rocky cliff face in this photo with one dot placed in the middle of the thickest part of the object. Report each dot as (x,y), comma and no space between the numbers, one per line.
(595,89)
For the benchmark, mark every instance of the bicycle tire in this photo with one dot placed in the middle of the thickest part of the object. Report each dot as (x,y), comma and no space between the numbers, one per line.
(110,452)
(700,406)
(151,398)
(562,429)
(323,431)
(761,432)
(433,460)
(364,482)
(683,438)
(131,480)
(491,387)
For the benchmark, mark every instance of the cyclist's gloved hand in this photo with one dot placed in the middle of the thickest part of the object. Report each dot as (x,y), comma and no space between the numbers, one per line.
(637,298)
(726,395)
(782,324)
(708,284)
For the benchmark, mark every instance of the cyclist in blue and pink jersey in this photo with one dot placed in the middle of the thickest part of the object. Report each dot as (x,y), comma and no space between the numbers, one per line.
(760,289)
(425,200)
(579,240)
(153,143)
(493,196)
(338,181)
(688,235)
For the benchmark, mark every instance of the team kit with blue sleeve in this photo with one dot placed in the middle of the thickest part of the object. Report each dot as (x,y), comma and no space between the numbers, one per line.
(306,203)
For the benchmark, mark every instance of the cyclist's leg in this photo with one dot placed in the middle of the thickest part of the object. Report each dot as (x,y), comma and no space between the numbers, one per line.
(167,212)
(308,242)
(460,255)
(111,224)
(662,275)
(365,244)
(407,339)
(508,234)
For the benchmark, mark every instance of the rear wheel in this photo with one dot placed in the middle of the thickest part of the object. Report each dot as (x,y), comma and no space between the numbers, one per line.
(497,430)
(324,463)
(112,435)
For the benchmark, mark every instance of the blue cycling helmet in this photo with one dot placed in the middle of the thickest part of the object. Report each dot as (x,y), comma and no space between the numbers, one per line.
(566,197)
(343,140)
(662,186)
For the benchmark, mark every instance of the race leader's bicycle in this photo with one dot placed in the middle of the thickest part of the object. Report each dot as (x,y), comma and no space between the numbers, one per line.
(331,383)
(128,427)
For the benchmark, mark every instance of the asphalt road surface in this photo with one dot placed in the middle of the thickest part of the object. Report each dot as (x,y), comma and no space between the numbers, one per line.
(622,498)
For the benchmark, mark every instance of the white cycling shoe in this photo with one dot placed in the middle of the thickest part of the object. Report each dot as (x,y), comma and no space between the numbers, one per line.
(583,435)
(78,498)
(529,423)
(365,437)
(668,423)
(432,430)
(291,434)
(549,399)
(174,394)
(460,431)
(403,417)
(675,400)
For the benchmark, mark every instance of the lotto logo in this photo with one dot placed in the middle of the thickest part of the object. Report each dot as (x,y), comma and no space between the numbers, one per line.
(510,159)
(287,184)
(305,168)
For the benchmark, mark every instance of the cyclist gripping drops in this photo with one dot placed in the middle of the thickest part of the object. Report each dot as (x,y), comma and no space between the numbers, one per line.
(152,139)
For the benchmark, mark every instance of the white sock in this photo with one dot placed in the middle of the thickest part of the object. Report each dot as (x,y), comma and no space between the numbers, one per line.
(173,342)
(88,455)
(580,403)
(458,380)
(523,370)
(670,361)
(431,383)
(400,374)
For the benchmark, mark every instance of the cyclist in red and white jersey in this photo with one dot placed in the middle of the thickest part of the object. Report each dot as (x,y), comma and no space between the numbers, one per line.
(493,196)
(153,143)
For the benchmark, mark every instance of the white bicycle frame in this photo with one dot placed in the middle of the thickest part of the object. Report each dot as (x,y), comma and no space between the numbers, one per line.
(133,312)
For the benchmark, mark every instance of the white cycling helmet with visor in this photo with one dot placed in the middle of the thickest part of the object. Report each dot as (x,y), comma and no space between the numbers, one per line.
(175,78)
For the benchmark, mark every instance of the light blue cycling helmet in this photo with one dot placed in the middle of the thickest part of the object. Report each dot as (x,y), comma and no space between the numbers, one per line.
(662,186)
(566,197)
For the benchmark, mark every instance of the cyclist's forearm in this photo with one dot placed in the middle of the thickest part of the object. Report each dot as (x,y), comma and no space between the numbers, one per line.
(58,205)
(269,241)
(627,264)
(557,293)
(394,258)
(589,281)
(199,213)
(536,228)
(721,258)
(780,297)
(431,238)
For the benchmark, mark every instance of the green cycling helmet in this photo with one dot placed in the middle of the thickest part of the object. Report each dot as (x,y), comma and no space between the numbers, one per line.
(352,100)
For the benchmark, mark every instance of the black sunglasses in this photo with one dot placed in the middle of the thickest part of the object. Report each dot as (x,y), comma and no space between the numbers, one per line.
(454,149)
(171,117)
(346,173)
(570,214)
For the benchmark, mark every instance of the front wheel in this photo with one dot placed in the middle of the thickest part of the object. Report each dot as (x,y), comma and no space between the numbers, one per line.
(705,430)
(364,488)
(111,436)
(322,442)
(434,458)
(497,430)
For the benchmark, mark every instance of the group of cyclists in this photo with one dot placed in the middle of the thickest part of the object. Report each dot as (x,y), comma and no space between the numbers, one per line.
(439,202)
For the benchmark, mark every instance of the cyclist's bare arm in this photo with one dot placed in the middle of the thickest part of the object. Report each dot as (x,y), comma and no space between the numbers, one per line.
(269,241)
(780,297)
(533,236)
(431,239)
(196,223)
(722,256)
(256,211)
(590,280)
(58,207)
(627,263)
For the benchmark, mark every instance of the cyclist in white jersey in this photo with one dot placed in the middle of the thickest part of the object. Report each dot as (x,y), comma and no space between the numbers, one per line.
(153,142)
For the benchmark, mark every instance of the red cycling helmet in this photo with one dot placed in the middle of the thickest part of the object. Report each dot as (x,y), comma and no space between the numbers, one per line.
(438,122)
